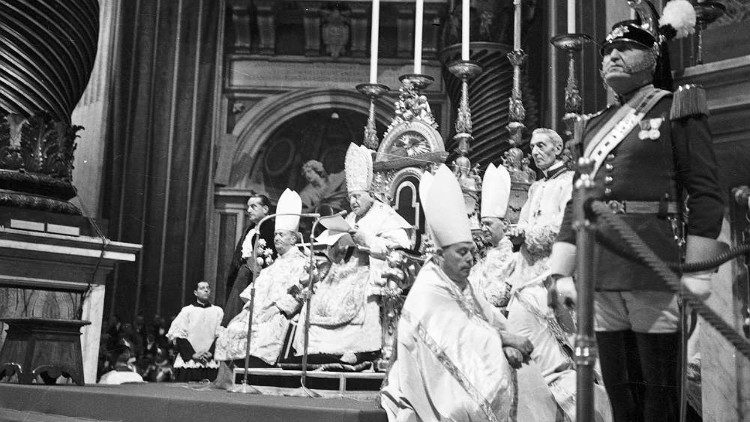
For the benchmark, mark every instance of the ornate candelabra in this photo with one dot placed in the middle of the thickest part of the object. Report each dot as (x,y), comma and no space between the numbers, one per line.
(468,177)
(706,13)
(464,70)
(373,91)
(516,110)
(572,44)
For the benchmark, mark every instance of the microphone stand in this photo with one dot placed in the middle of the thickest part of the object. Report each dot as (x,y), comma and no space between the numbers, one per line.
(307,298)
(246,387)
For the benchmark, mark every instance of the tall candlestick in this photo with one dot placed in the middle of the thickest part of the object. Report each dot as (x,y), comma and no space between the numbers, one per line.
(571,16)
(374,32)
(517,25)
(418,20)
(465,14)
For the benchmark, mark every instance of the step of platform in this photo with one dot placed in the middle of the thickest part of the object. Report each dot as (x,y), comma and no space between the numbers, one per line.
(11,415)
(321,380)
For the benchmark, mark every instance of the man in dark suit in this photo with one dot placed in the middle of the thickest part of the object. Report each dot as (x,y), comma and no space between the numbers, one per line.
(240,271)
(652,154)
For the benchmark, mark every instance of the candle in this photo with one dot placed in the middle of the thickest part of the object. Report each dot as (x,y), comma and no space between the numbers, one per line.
(571,16)
(465,14)
(418,37)
(374,30)
(517,25)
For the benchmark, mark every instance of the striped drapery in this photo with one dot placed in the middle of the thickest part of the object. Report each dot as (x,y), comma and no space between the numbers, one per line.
(159,155)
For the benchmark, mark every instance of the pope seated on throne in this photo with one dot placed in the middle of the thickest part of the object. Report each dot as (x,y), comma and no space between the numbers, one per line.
(345,325)
(344,315)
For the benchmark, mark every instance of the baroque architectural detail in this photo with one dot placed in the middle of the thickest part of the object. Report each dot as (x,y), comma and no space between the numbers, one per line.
(36,155)
(336,31)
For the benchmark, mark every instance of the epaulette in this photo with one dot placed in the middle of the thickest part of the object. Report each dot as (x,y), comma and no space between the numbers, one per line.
(688,100)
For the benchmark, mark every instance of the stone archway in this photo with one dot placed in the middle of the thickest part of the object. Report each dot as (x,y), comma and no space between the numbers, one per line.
(259,124)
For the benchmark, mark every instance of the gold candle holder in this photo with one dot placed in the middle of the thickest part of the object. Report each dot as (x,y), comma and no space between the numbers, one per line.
(373,91)
(572,44)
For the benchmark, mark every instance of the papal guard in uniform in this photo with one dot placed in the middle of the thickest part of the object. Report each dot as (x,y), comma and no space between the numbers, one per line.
(654,166)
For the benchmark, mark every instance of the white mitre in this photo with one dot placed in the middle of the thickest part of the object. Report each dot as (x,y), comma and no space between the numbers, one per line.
(425,182)
(358,166)
(289,203)
(495,191)
(445,210)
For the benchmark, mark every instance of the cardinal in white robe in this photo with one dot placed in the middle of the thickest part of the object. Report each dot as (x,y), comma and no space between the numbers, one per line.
(542,214)
(527,308)
(490,276)
(451,345)
(273,305)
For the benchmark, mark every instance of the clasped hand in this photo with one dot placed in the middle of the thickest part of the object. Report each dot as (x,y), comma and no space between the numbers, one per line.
(562,293)
(517,349)
(202,357)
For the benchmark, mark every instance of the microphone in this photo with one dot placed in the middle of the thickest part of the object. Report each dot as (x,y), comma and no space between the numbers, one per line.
(340,213)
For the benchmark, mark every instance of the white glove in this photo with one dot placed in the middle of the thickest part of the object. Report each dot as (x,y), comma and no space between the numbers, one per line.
(563,293)
(699,284)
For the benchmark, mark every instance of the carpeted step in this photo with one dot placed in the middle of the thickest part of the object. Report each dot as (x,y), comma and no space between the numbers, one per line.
(11,415)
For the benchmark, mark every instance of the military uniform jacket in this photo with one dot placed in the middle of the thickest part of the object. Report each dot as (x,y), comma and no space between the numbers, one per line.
(673,158)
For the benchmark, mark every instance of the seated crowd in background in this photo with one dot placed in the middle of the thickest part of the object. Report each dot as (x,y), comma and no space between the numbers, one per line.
(145,347)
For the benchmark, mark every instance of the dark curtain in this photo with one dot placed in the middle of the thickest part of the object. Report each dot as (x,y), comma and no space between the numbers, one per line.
(159,151)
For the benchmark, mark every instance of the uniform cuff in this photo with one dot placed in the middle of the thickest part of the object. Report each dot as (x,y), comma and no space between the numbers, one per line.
(562,261)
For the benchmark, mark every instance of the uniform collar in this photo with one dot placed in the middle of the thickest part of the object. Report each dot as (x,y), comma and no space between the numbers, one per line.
(635,95)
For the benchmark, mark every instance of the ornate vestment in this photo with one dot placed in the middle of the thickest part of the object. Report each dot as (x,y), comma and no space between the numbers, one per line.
(383,227)
(540,220)
(449,359)
(490,275)
(269,324)
(345,315)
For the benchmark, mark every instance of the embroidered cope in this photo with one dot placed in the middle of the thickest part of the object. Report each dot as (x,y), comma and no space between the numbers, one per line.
(345,315)
(490,275)
(450,363)
(269,324)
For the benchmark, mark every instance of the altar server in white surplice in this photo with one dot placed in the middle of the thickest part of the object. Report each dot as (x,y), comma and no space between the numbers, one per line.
(274,305)
(450,362)
(193,332)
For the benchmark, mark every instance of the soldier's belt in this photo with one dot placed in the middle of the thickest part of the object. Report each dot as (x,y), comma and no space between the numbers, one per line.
(642,207)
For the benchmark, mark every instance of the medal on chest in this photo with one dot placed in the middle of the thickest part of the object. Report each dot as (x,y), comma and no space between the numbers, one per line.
(650,129)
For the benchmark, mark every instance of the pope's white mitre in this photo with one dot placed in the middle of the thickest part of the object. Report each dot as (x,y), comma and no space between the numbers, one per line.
(495,191)
(289,203)
(425,182)
(445,209)
(358,166)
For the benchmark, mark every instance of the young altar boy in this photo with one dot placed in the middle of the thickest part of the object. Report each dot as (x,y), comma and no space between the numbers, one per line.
(194,332)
